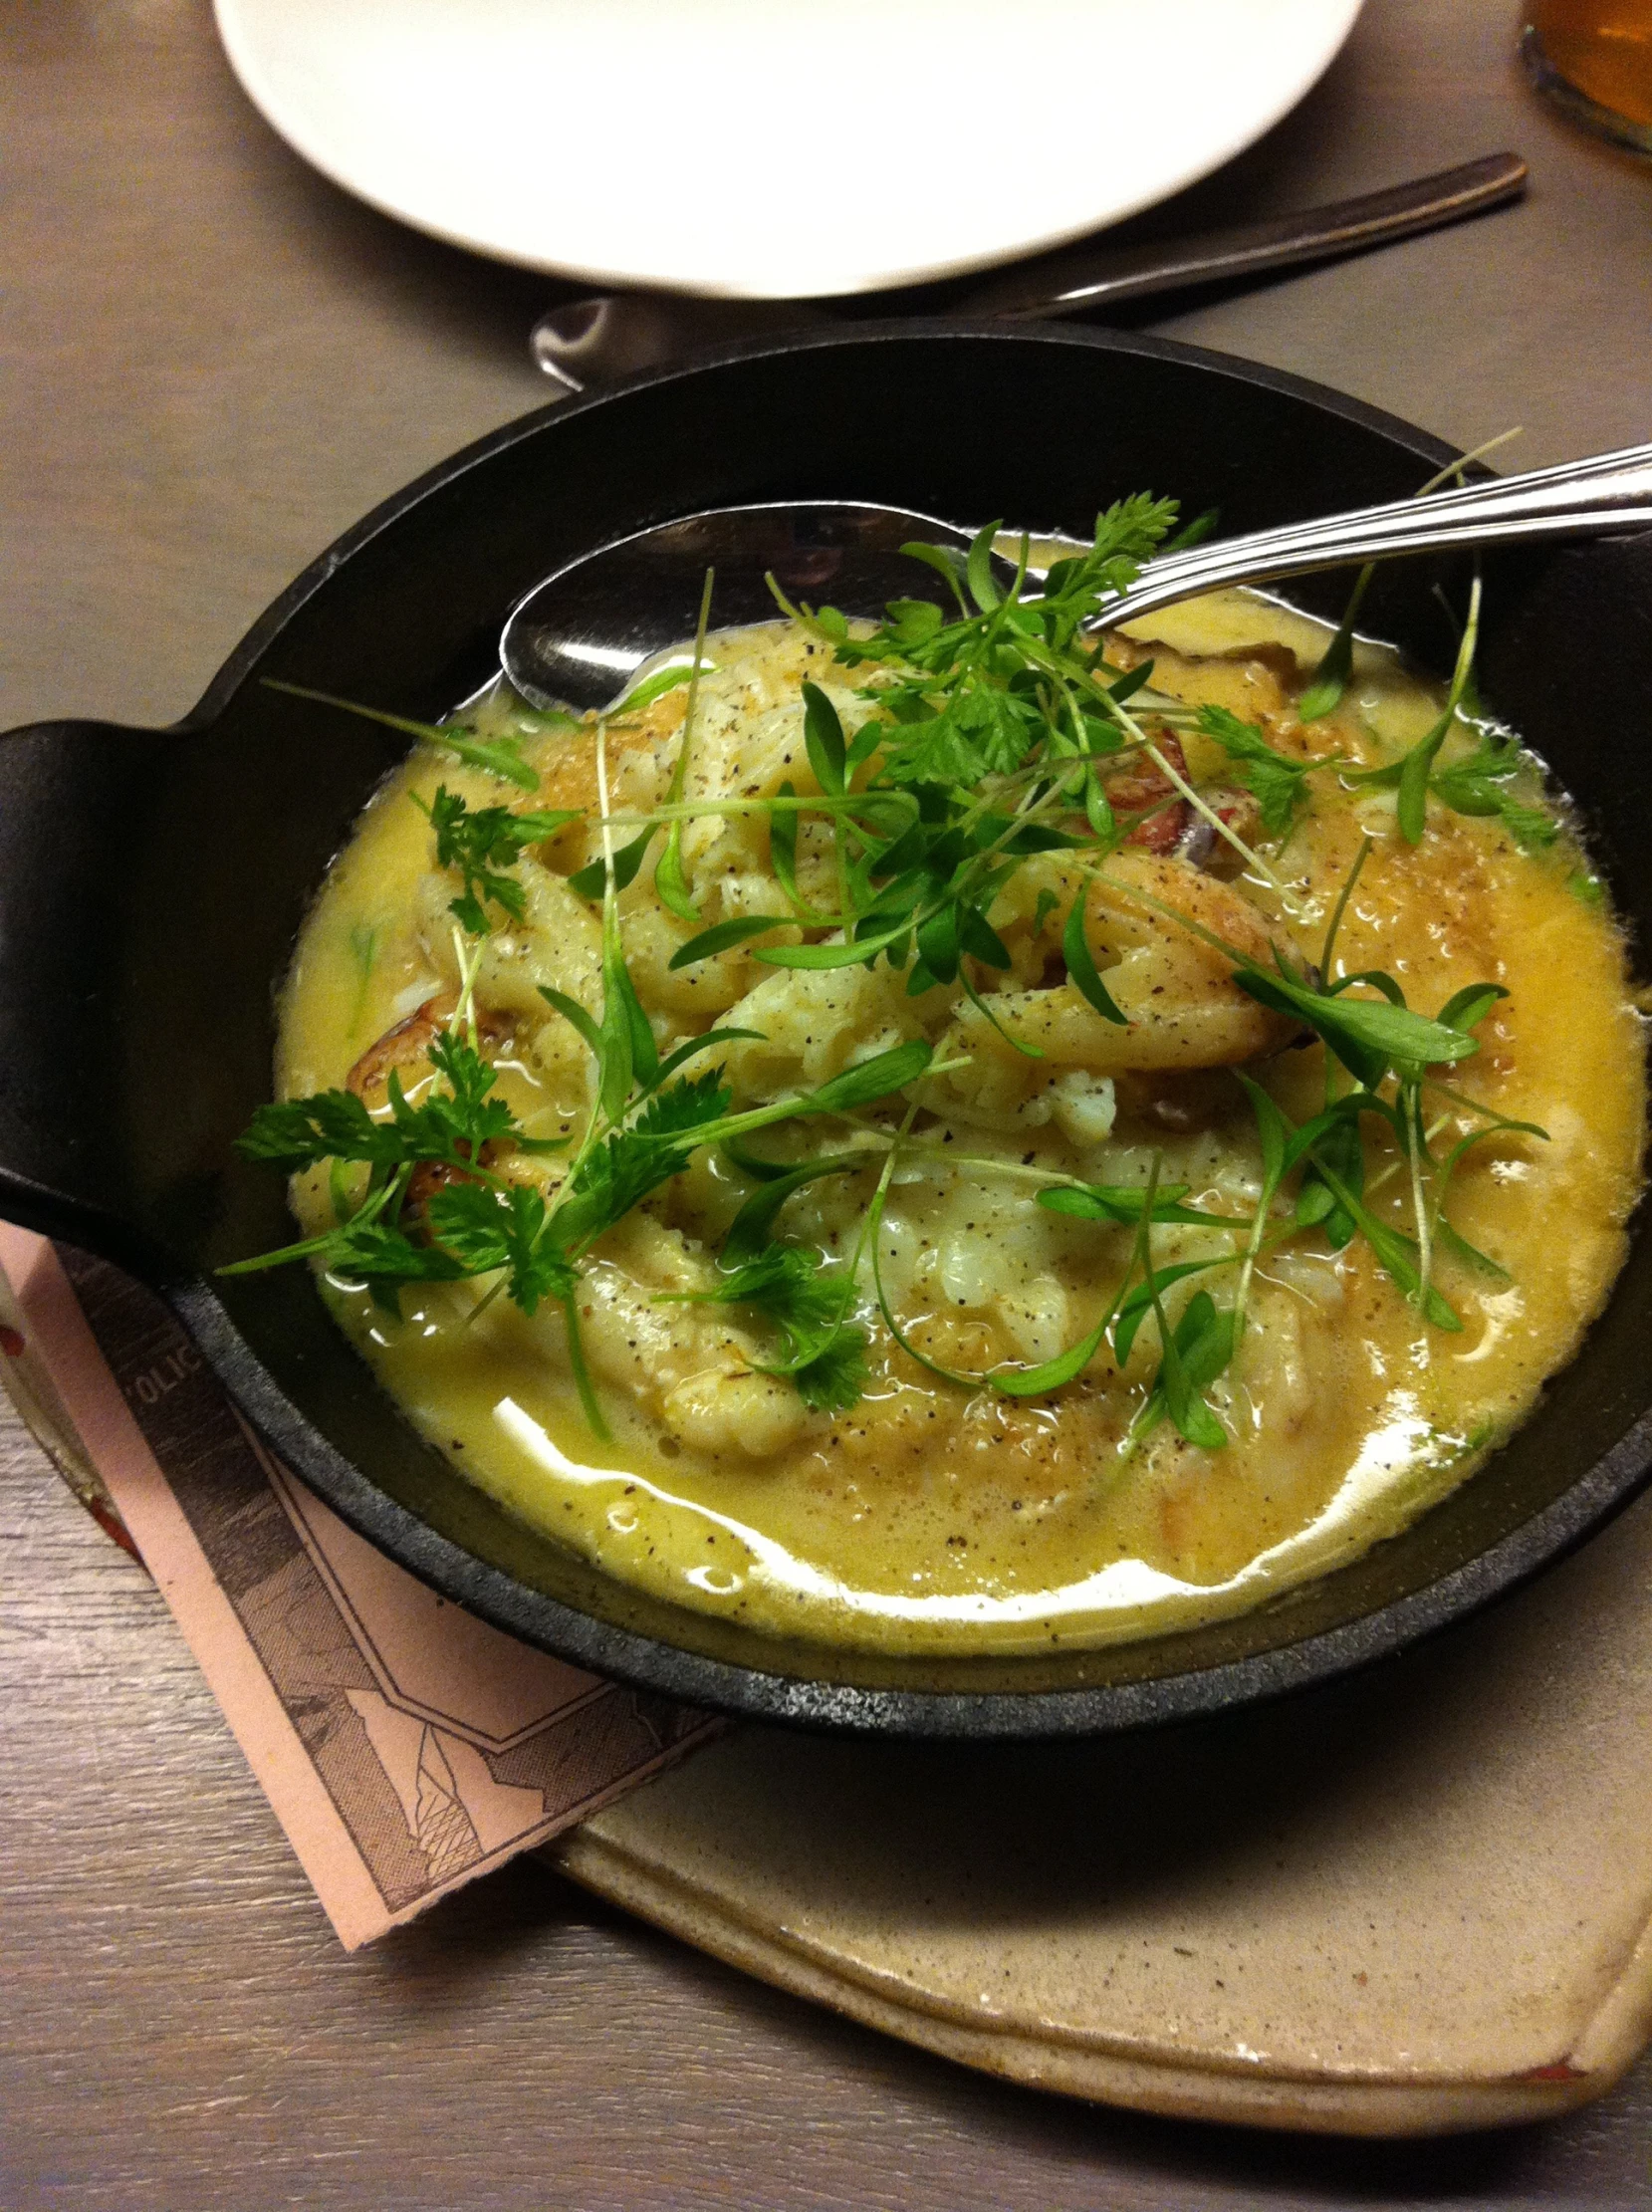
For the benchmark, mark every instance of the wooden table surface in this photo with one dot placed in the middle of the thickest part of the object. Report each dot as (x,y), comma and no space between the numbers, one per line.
(214,362)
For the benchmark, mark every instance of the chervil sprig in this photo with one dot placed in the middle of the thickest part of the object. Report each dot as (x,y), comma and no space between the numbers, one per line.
(1276,782)
(485,1229)
(451,1125)
(383,1240)
(825,1354)
(481,843)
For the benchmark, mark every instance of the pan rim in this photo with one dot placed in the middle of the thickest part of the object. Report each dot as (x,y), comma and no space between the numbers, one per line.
(652,1664)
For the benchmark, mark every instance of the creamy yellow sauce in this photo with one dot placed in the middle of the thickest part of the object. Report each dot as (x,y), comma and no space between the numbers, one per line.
(933,1517)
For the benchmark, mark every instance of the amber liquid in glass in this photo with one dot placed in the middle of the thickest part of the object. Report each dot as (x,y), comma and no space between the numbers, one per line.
(1599,48)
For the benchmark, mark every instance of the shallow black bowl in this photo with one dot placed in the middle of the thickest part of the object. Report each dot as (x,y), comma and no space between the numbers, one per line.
(151,884)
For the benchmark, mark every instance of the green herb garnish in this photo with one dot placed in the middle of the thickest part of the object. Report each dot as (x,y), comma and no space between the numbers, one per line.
(481,842)
(982,735)
(1278,783)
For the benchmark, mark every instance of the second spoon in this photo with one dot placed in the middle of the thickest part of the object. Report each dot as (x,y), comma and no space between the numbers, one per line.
(591,342)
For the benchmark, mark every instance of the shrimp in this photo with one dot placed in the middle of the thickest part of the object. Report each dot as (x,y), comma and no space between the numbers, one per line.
(404,1052)
(1181,1008)
(1145,790)
(404,1049)
(687,1366)
(1168,822)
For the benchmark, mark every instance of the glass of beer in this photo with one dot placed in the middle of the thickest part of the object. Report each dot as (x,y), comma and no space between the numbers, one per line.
(1593,59)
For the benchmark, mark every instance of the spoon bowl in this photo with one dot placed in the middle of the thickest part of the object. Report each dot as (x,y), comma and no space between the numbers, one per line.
(578,637)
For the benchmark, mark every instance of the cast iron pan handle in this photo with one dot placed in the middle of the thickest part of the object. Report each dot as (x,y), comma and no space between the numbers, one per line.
(151,888)
(74,799)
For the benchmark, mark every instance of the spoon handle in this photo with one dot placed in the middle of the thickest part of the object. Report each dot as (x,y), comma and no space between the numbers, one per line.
(590,342)
(1608,492)
(1072,282)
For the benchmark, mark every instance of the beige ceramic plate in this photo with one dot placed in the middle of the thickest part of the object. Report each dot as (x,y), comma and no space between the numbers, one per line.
(1412,1904)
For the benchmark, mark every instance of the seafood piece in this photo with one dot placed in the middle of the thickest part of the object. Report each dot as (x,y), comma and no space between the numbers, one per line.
(404,1049)
(1182,1006)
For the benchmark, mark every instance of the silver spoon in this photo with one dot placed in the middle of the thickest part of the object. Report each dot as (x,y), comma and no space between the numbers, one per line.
(1577,499)
(591,342)
(578,637)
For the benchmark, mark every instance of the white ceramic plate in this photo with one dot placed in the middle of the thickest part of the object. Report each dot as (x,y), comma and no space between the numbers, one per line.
(772,148)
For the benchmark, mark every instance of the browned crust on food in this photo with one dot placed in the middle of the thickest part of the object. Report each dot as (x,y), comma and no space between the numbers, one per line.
(404,1049)
(1145,789)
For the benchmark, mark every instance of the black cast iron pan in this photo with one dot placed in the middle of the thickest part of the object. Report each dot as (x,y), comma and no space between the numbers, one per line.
(151,884)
